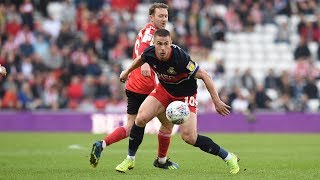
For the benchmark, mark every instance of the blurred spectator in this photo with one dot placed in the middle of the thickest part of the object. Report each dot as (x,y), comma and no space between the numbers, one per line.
(282,7)
(109,40)
(255,13)
(27,68)
(302,51)
(53,60)
(41,47)
(115,105)
(310,89)
(38,66)
(180,27)
(51,97)
(271,81)
(87,105)
(92,29)
(66,37)
(218,28)
(26,10)
(240,103)
(309,30)
(298,93)
(285,86)
(120,5)
(51,26)
(25,34)
(89,87)
(10,98)
(268,12)
(75,89)
(233,21)
(248,81)
(27,98)
(93,68)
(235,79)
(26,48)
(37,86)
(103,88)
(220,69)
(307,6)
(10,45)
(283,34)
(13,24)
(68,12)
(262,100)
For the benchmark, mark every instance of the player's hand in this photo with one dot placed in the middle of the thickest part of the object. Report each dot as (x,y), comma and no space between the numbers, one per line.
(145,70)
(123,76)
(222,108)
(3,71)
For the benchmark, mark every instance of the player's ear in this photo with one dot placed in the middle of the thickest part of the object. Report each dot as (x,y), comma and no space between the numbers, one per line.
(151,18)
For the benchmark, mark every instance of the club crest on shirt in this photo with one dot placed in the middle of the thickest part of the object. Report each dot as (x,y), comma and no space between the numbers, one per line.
(191,66)
(171,70)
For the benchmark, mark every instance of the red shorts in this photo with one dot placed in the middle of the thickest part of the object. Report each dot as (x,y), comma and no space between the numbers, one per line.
(165,98)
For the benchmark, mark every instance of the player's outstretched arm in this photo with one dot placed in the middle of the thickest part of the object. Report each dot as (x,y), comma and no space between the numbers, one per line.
(3,71)
(220,106)
(137,62)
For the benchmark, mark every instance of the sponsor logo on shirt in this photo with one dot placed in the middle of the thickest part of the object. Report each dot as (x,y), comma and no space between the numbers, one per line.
(171,70)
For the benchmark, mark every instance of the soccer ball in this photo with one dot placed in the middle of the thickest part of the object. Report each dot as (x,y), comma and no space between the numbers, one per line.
(177,112)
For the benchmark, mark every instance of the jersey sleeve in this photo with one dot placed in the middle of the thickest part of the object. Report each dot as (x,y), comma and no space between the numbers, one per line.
(145,54)
(190,66)
(146,40)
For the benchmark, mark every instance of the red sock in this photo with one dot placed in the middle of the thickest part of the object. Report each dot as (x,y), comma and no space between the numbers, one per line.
(164,142)
(117,135)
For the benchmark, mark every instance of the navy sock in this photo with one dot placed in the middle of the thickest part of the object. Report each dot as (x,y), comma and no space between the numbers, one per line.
(207,145)
(222,153)
(135,139)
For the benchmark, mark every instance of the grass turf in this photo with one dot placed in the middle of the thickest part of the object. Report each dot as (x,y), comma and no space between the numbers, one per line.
(65,156)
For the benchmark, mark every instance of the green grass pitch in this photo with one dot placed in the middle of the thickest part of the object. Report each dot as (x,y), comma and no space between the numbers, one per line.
(65,156)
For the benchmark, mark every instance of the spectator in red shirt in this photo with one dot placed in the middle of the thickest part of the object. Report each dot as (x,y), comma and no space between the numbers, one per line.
(75,89)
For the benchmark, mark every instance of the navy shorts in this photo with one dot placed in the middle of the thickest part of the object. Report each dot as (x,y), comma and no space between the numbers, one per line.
(134,101)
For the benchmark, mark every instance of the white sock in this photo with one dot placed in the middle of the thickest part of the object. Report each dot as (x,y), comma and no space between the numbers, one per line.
(104,144)
(228,157)
(130,157)
(162,160)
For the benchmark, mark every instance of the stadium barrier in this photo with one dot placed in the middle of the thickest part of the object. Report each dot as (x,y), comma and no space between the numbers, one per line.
(263,122)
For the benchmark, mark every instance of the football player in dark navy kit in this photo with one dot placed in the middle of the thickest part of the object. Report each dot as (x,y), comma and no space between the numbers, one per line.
(140,83)
(177,75)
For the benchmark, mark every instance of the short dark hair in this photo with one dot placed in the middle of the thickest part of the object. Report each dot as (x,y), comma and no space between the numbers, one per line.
(162,33)
(157,5)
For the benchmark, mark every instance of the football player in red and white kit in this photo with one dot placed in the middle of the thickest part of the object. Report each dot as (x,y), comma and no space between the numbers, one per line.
(140,84)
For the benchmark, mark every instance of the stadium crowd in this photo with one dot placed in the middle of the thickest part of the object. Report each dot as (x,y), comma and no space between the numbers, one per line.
(68,54)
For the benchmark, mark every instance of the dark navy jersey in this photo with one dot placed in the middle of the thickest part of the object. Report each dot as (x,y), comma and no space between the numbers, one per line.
(176,75)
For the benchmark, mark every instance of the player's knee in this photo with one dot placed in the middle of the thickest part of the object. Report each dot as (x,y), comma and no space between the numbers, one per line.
(142,120)
(189,138)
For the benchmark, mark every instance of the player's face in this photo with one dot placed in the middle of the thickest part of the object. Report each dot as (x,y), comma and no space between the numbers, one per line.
(160,18)
(163,47)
